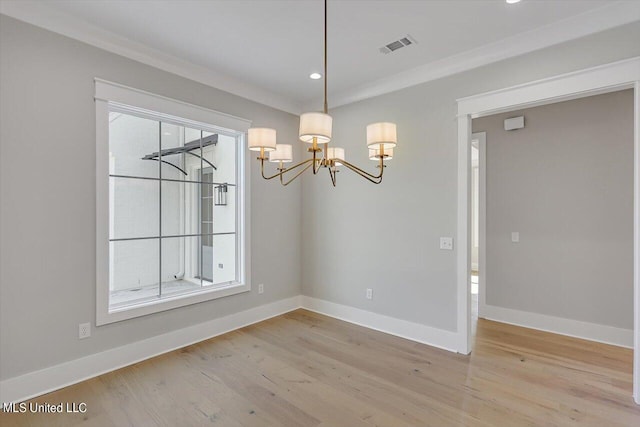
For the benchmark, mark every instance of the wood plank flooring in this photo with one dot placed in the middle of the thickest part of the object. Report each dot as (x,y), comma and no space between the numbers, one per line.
(305,369)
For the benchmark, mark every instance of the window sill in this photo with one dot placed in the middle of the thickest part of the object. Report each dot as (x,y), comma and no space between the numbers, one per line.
(168,303)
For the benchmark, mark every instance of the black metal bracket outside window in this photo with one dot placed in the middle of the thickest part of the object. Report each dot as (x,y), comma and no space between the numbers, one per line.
(185,149)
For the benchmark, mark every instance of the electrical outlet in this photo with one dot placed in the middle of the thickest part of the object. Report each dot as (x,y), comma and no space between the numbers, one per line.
(369,293)
(220,265)
(446,243)
(84,330)
(261,288)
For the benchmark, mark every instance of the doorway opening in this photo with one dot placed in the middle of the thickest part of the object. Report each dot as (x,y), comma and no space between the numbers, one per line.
(477,174)
(598,80)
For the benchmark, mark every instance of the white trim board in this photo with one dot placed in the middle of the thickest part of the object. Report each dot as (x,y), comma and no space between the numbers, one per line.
(424,334)
(558,325)
(131,97)
(44,16)
(32,384)
(564,87)
(605,78)
(612,14)
(36,383)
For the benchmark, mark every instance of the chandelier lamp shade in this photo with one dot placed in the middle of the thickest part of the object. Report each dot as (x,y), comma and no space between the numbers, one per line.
(283,153)
(262,139)
(316,131)
(335,154)
(382,135)
(315,127)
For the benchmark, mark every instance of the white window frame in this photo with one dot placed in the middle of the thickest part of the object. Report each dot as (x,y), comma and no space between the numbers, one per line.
(107,95)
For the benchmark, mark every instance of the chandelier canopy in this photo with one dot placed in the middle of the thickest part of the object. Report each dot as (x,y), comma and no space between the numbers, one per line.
(315,129)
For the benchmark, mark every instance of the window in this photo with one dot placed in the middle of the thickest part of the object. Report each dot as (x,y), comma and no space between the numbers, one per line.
(170,204)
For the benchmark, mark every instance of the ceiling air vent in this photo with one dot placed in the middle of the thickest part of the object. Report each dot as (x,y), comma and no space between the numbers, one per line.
(398,44)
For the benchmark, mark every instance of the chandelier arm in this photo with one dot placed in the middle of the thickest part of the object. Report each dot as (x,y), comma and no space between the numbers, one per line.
(284,184)
(315,171)
(381,166)
(319,161)
(282,171)
(297,165)
(363,172)
(367,176)
(262,171)
(332,174)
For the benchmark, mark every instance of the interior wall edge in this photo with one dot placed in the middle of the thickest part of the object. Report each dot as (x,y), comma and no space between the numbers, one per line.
(435,337)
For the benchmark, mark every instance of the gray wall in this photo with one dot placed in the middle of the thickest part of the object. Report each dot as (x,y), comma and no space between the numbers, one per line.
(47,196)
(359,235)
(565,183)
(385,238)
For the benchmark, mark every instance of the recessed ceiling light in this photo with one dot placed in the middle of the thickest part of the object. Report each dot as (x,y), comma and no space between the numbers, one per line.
(315,76)
(513,1)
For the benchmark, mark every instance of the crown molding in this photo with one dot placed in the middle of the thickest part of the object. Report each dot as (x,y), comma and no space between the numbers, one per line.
(41,15)
(609,16)
(596,20)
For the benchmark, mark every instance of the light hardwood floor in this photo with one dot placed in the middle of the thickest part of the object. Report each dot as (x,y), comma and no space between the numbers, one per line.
(305,369)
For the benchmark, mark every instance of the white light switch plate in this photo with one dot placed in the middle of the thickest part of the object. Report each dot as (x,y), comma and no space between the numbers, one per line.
(515,237)
(446,243)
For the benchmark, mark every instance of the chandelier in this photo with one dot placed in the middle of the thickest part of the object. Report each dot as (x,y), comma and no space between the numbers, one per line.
(315,129)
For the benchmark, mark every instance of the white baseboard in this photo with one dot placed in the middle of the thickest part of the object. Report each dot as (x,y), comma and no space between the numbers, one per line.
(558,325)
(36,383)
(402,328)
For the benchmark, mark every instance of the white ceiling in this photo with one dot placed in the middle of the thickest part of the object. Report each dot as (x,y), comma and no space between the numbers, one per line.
(271,46)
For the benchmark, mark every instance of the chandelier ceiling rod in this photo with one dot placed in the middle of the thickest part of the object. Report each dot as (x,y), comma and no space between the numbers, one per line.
(326,105)
(316,129)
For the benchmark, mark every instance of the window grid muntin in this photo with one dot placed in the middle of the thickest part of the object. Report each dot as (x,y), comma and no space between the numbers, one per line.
(169,179)
(161,118)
